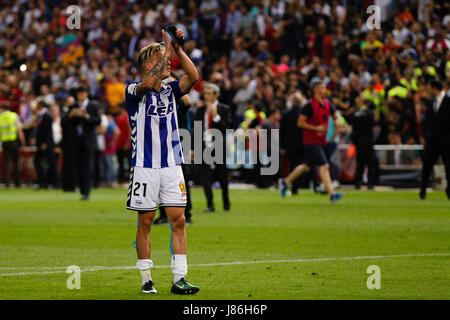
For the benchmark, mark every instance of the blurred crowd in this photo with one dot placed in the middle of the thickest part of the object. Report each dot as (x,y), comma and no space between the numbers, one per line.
(263,54)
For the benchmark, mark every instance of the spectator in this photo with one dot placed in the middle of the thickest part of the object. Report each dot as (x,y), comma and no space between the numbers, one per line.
(115,91)
(291,135)
(123,145)
(214,115)
(110,169)
(10,135)
(84,117)
(44,160)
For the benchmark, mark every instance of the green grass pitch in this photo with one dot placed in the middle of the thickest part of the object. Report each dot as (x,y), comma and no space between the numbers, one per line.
(242,254)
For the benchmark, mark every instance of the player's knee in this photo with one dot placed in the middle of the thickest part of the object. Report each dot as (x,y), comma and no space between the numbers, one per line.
(179,222)
(145,223)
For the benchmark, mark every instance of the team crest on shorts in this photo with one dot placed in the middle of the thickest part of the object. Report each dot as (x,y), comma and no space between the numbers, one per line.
(182,188)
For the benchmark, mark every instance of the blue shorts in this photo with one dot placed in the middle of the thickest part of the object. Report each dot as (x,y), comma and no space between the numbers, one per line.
(315,155)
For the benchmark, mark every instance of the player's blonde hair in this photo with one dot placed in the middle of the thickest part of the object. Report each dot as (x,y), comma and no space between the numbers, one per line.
(148,51)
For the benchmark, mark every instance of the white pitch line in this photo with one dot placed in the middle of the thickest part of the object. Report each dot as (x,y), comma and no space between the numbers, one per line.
(105,268)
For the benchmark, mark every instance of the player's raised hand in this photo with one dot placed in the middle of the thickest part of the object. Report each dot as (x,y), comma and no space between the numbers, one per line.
(169,52)
(175,45)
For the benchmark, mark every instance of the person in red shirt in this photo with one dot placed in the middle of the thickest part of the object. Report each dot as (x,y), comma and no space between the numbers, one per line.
(327,49)
(271,35)
(314,121)
(406,15)
(123,145)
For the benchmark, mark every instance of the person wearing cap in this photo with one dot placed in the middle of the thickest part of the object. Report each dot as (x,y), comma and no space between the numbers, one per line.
(84,118)
(10,134)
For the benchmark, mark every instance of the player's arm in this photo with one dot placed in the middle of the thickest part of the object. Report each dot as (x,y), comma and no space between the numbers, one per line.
(92,115)
(155,74)
(191,77)
(151,77)
(20,132)
(305,125)
(308,112)
(335,116)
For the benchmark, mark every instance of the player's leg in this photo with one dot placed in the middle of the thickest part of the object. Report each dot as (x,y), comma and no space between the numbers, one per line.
(298,170)
(283,184)
(178,223)
(142,197)
(145,221)
(324,172)
(173,198)
(143,248)
(320,159)
(179,260)
(296,173)
(310,151)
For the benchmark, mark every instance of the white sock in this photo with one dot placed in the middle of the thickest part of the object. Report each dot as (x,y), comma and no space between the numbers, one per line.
(179,267)
(144,266)
(146,276)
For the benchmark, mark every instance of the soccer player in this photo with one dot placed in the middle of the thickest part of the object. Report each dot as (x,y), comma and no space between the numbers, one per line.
(314,121)
(156,176)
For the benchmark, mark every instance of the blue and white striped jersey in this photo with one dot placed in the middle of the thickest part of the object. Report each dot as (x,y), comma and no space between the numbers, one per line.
(155,140)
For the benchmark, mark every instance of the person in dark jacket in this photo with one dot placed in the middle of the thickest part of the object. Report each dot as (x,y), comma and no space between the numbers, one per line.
(437,135)
(84,117)
(362,121)
(214,115)
(68,179)
(44,159)
(291,136)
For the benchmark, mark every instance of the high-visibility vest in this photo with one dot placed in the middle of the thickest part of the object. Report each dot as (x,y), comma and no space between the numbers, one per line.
(251,115)
(398,91)
(8,126)
(374,96)
(409,85)
(320,116)
(431,71)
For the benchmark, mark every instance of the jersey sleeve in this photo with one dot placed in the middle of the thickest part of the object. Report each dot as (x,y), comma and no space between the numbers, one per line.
(175,85)
(131,100)
(308,110)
